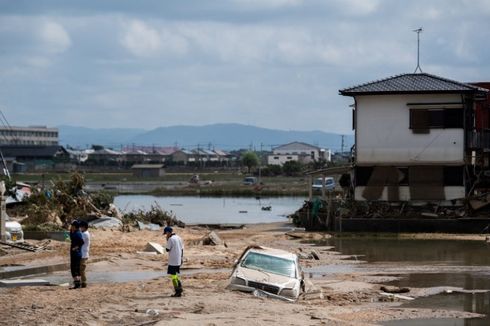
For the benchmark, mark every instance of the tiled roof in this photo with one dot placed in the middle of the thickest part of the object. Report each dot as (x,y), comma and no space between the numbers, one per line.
(297,146)
(411,84)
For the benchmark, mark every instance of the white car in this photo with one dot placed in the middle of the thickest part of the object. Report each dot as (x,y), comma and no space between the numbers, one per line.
(14,231)
(271,270)
(329,184)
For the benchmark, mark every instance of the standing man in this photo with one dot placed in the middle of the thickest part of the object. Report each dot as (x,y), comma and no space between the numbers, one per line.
(75,252)
(85,252)
(175,249)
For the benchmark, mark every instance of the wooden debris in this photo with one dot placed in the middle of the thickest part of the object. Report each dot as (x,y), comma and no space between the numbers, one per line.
(315,255)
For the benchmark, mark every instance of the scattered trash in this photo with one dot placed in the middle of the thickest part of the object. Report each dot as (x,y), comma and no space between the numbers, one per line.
(27,246)
(266,208)
(314,254)
(152,312)
(106,222)
(149,226)
(394,289)
(242,212)
(23,282)
(396,296)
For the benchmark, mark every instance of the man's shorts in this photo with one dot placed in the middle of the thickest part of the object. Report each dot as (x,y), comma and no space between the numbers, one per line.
(172,270)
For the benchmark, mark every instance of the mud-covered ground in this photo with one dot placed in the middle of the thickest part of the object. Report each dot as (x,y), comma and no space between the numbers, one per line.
(347,298)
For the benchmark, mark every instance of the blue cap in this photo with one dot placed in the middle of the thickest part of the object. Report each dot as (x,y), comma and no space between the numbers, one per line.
(167,229)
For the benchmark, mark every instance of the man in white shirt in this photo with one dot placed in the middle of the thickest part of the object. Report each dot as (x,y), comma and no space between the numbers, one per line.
(85,252)
(175,249)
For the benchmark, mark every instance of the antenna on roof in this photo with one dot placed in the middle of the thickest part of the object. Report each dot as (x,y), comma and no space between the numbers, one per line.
(418,31)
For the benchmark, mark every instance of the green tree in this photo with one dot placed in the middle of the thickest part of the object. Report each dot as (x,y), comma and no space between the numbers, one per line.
(292,168)
(250,159)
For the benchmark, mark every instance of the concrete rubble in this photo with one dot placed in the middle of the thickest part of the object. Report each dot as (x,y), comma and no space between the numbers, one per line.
(154,247)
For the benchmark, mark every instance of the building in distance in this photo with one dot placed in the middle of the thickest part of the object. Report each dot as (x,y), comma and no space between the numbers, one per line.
(32,135)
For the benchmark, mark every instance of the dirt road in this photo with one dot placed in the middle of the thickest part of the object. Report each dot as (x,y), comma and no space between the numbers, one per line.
(336,299)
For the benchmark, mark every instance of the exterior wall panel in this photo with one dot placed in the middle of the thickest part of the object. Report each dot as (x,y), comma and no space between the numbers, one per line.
(383,135)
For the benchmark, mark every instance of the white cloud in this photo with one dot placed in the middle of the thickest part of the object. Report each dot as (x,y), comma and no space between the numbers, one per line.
(141,40)
(54,37)
(38,61)
(267,4)
(357,7)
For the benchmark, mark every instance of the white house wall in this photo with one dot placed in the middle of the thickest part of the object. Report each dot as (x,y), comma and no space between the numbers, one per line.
(281,159)
(383,134)
(450,193)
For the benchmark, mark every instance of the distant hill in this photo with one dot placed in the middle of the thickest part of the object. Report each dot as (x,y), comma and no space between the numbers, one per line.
(85,137)
(222,136)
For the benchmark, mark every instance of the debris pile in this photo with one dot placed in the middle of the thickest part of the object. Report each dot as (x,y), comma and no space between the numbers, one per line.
(53,208)
(319,213)
(156,215)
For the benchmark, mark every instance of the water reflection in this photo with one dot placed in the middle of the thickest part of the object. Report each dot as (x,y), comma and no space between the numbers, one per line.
(213,210)
(471,302)
(467,253)
(470,259)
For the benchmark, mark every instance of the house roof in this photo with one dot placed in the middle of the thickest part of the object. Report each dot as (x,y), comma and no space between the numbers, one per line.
(416,83)
(31,150)
(105,151)
(296,146)
(184,151)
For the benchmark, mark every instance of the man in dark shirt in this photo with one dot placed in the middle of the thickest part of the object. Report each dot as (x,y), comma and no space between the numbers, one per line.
(75,252)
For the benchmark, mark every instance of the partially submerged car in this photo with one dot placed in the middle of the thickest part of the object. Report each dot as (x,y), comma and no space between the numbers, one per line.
(273,271)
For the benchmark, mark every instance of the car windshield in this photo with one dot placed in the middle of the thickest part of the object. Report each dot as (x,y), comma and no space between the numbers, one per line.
(272,264)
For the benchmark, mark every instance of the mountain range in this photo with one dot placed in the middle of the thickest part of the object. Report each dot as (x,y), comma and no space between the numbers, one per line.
(225,136)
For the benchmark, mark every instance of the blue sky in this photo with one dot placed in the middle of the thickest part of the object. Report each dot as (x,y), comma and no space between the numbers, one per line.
(270,63)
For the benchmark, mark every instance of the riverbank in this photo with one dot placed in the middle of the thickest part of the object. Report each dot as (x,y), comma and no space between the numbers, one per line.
(341,295)
(177,184)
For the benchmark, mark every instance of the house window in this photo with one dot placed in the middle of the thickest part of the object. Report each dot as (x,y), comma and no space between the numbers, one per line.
(422,120)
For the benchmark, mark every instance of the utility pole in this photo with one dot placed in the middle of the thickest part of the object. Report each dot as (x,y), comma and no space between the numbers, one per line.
(342,146)
(3,213)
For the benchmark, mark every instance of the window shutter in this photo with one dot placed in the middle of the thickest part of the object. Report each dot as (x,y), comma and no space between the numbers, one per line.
(419,121)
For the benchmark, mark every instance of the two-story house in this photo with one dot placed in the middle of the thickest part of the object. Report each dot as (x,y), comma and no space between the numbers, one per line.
(297,151)
(410,138)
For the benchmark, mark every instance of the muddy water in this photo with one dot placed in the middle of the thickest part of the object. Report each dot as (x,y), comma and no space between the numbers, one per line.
(429,264)
(212,210)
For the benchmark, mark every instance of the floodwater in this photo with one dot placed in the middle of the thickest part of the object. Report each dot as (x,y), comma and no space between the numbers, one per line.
(122,276)
(429,264)
(213,210)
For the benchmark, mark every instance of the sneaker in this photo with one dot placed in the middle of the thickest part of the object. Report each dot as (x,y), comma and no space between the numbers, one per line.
(84,285)
(176,295)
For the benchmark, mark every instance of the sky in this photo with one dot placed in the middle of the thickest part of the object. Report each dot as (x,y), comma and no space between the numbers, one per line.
(276,64)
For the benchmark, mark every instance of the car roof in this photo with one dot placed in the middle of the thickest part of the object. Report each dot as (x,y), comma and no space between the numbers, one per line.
(273,252)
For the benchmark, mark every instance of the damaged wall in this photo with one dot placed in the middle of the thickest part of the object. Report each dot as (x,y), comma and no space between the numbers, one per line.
(423,183)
